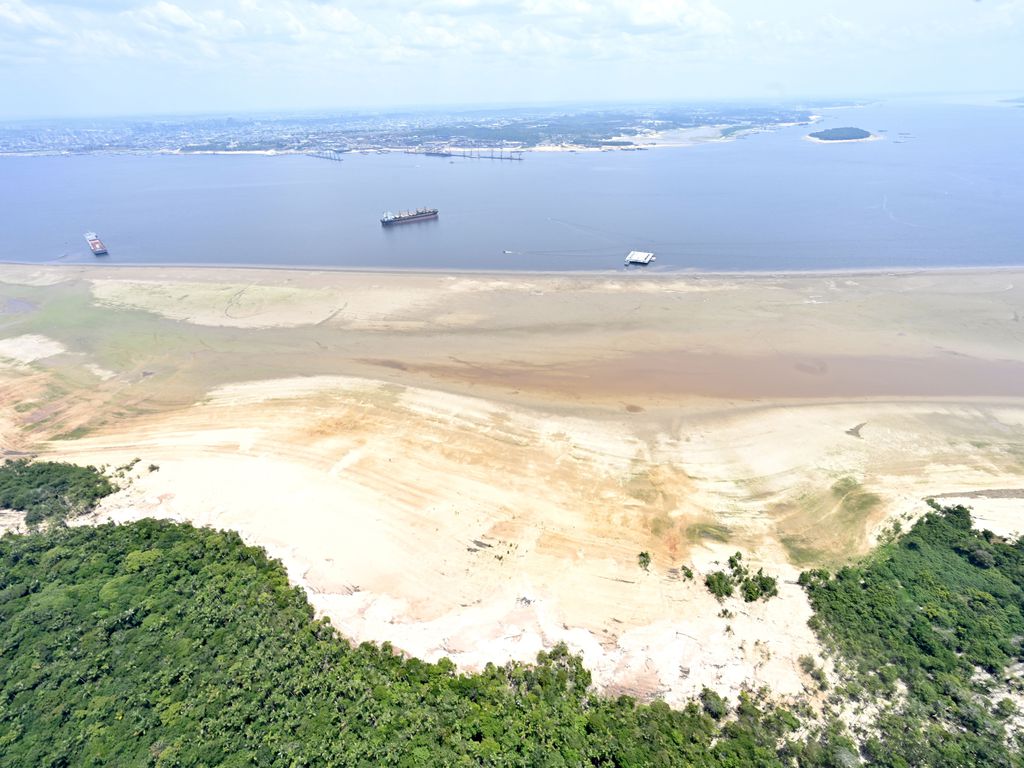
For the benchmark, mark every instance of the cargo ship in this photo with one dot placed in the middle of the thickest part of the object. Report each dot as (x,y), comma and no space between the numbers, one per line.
(420,214)
(97,246)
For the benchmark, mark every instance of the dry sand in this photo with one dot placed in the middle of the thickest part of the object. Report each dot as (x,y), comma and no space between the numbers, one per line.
(816,140)
(28,348)
(468,465)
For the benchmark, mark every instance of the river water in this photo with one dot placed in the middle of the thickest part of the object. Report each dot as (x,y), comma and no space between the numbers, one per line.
(943,187)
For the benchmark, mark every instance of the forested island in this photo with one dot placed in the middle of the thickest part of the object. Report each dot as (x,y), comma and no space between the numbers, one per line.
(155,643)
(841,134)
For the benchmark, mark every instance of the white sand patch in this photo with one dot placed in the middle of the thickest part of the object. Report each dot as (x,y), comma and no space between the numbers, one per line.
(29,348)
(296,388)
(256,305)
(337,546)
(677,137)
(11,521)
(815,140)
(100,373)
(1003,516)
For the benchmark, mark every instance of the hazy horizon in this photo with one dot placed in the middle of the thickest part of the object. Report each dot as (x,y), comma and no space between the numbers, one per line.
(121,58)
(819,101)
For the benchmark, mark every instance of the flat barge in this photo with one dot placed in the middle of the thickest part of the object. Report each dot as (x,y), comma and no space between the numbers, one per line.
(95,244)
(403,217)
(642,258)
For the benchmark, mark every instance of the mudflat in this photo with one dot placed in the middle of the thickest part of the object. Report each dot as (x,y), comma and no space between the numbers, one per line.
(469,465)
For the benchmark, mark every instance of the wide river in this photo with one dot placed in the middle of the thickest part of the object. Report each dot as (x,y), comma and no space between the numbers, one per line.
(943,187)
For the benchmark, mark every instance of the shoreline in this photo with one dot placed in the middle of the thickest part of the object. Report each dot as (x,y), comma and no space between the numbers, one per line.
(901,271)
(815,140)
(672,138)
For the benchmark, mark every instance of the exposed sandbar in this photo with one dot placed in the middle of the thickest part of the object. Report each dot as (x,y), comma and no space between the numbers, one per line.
(468,465)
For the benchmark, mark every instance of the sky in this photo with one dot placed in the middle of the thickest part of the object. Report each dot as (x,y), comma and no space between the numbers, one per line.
(68,58)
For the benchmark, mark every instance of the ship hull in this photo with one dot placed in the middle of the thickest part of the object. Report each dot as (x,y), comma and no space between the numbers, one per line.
(405,219)
(95,244)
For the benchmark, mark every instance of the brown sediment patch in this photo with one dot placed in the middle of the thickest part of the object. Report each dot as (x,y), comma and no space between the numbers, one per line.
(393,364)
(680,372)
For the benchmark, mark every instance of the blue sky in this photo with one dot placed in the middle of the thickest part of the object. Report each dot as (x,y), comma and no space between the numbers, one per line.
(72,57)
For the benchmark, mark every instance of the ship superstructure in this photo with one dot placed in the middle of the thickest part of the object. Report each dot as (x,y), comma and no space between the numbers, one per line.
(420,214)
(95,244)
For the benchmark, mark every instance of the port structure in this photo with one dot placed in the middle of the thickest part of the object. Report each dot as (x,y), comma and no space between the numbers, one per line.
(470,154)
(328,154)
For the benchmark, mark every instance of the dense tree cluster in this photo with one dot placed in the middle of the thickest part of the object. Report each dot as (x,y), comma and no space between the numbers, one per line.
(52,491)
(161,644)
(940,610)
(840,134)
(758,586)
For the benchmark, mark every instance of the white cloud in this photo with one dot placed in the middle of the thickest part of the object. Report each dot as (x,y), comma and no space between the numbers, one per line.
(698,16)
(573,8)
(24,16)
(480,48)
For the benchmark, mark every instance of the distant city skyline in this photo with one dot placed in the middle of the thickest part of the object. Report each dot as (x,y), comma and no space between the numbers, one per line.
(72,58)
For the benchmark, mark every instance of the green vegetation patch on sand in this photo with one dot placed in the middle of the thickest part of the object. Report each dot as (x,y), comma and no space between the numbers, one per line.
(51,491)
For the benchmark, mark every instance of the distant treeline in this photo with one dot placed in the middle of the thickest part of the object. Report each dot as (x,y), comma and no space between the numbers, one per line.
(158,644)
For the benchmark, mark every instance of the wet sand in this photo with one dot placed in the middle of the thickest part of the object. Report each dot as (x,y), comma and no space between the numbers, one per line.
(681,373)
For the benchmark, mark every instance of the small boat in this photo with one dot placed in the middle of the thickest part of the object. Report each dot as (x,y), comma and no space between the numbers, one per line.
(95,244)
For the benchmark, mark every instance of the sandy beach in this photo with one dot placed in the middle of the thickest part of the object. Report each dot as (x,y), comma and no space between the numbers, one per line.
(468,465)
(816,140)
